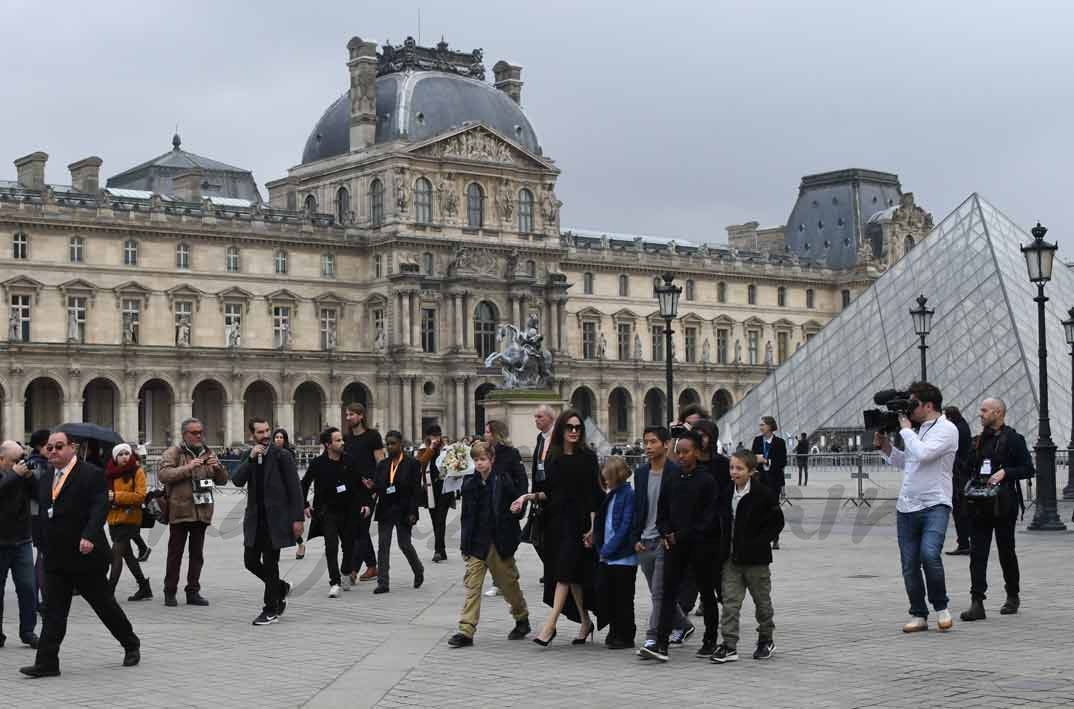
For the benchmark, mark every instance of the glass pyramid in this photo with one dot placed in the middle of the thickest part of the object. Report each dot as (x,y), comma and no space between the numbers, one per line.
(983,340)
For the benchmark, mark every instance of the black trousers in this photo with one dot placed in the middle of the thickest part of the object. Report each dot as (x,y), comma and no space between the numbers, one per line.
(984,524)
(803,470)
(364,553)
(960,511)
(615,596)
(337,528)
(439,515)
(699,559)
(263,561)
(97,592)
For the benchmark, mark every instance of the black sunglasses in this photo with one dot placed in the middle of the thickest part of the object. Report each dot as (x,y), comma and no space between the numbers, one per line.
(573,428)
(57,447)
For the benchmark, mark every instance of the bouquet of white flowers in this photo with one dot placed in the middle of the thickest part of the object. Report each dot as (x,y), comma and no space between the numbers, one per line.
(454,464)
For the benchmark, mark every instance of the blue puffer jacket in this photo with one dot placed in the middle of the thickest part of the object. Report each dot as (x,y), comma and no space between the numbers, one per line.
(619,503)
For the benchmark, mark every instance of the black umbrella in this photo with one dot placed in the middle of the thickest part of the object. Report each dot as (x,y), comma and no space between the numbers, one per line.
(91,432)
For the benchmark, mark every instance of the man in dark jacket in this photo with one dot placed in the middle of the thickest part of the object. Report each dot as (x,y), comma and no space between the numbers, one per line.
(1001,459)
(17,489)
(771,452)
(959,477)
(398,485)
(490,537)
(274,515)
(77,556)
(38,464)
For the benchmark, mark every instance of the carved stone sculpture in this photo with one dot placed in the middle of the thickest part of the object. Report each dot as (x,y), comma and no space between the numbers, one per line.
(380,340)
(524,361)
(72,327)
(14,326)
(738,352)
(768,353)
(602,346)
(449,199)
(706,352)
(505,201)
(130,333)
(637,347)
(182,332)
(550,207)
(402,196)
(330,338)
(232,336)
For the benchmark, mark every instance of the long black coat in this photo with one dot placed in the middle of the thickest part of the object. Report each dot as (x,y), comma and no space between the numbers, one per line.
(777,456)
(757,523)
(78,513)
(284,503)
(506,533)
(403,503)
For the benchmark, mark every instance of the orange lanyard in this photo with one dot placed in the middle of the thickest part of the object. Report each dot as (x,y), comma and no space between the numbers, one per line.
(58,485)
(544,446)
(394,465)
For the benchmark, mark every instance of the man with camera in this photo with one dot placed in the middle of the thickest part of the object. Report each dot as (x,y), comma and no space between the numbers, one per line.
(924,504)
(993,498)
(17,489)
(189,472)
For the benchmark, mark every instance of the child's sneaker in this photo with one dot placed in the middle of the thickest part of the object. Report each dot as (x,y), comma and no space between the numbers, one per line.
(724,654)
(764,650)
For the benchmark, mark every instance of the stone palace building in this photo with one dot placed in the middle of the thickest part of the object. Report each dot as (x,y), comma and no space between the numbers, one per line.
(422,218)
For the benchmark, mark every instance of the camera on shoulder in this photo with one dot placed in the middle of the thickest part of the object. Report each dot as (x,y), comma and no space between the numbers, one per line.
(895,403)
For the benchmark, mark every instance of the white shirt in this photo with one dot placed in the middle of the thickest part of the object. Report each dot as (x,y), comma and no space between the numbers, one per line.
(927,463)
(737,497)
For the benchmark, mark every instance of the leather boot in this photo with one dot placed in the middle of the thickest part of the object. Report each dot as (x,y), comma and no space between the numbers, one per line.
(976,611)
(144,593)
(1010,606)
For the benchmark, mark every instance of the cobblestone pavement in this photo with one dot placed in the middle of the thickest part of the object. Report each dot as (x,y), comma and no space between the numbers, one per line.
(839,607)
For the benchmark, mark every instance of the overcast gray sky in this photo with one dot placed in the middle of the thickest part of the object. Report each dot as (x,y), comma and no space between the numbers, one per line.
(670,118)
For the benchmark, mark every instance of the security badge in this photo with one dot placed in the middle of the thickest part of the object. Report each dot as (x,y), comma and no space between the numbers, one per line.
(341,488)
(390,490)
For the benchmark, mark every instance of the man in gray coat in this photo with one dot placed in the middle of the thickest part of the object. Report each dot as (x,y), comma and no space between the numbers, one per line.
(274,515)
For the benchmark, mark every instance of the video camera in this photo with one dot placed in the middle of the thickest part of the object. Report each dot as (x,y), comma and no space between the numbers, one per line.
(895,402)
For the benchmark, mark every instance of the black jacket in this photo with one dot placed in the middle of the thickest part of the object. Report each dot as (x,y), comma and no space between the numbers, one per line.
(402,504)
(284,503)
(641,494)
(747,540)
(777,456)
(498,492)
(326,476)
(964,458)
(78,513)
(1007,451)
(686,506)
(537,472)
(508,460)
(15,495)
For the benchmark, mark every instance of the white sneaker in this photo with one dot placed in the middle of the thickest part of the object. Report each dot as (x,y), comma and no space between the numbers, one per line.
(334,591)
(944,620)
(917,624)
(494,591)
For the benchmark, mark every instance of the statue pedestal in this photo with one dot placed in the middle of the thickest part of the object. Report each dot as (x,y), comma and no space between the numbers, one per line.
(515,408)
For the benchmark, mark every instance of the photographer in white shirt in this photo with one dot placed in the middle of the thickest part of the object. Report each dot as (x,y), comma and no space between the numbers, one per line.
(924,504)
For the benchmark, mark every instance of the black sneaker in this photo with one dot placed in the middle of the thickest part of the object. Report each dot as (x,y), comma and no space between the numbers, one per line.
(764,650)
(724,654)
(267,617)
(460,640)
(380,589)
(656,651)
(520,631)
(678,637)
(707,648)
(169,600)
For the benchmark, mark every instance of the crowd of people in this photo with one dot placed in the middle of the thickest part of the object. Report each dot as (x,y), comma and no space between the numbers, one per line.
(702,526)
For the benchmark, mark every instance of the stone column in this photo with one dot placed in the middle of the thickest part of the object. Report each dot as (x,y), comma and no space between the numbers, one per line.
(404,320)
(468,407)
(456,316)
(514,305)
(407,418)
(15,417)
(467,321)
(415,320)
(550,326)
(233,424)
(285,414)
(128,414)
(460,407)
(521,312)
(416,398)
(561,324)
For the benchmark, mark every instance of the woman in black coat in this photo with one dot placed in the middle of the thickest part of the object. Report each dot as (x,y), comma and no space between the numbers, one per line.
(572,497)
(771,452)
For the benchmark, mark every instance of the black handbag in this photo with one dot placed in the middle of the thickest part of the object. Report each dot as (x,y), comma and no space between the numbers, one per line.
(533,532)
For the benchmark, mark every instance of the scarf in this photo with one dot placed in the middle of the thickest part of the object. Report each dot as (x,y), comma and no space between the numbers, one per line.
(113,470)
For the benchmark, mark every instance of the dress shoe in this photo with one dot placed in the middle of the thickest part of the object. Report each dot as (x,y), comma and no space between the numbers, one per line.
(3,639)
(460,640)
(132,657)
(520,631)
(30,640)
(1010,606)
(193,598)
(419,579)
(144,556)
(546,643)
(144,593)
(958,551)
(36,671)
(620,644)
(381,589)
(169,600)
(976,611)
(369,574)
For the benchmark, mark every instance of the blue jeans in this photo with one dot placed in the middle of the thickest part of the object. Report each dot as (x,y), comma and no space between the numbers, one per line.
(20,559)
(921,536)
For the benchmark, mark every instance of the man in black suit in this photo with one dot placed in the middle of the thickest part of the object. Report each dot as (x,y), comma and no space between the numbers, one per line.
(398,487)
(74,505)
(771,452)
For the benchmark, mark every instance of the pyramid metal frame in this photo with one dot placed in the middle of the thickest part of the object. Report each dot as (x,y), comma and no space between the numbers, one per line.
(983,340)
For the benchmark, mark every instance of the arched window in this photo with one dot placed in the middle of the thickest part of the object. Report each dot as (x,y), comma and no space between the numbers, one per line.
(311,204)
(182,255)
(809,298)
(721,292)
(624,286)
(587,283)
(781,297)
(280,260)
(475,206)
(343,206)
(77,246)
(525,211)
(690,289)
(531,268)
(130,252)
(376,203)
(423,201)
(751,294)
(485,329)
(427,264)
(231,259)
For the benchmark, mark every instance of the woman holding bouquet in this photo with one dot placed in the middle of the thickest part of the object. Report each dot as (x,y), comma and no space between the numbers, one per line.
(434,489)
(572,497)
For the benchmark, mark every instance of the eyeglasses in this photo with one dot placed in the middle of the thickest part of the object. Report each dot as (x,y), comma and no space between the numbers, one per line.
(57,447)
(573,428)
(196,433)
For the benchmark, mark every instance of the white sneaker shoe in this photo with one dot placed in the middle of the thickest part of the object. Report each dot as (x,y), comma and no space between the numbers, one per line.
(944,620)
(917,624)
(494,591)
(334,591)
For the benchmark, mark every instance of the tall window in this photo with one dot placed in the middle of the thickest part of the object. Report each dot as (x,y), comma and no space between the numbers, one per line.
(475,206)
(525,211)
(232,317)
(132,318)
(76,314)
(182,255)
(809,298)
(343,206)
(531,268)
(423,201)
(311,204)
(130,252)
(378,266)
(657,333)
(328,265)
(184,311)
(721,292)
(846,298)
(782,347)
(20,317)
(427,264)
(589,340)
(428,330)
(231,259)
(280,261)
(723,339)
(753,340)
(20,246)
(328,329)
(376,203)
(587,283)
(485,329)
(751,294)
(781,297)
(281,325)
(626,334)
(689,289)
(624,286)
(75,249)
(690,343)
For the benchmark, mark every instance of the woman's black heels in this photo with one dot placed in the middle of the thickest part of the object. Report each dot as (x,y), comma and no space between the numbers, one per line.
(588,636)
(546,643)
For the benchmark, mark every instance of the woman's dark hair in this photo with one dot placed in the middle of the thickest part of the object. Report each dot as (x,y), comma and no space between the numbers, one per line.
(953,414)
(706,427)
(286,439)
(555,444)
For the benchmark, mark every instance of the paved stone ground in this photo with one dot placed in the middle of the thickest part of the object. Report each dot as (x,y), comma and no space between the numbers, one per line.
(839,607)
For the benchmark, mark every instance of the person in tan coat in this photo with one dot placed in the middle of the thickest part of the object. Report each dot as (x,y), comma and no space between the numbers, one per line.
(126,493)
(190,511)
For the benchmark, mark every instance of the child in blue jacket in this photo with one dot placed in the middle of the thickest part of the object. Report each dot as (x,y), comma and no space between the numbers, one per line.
(618,562)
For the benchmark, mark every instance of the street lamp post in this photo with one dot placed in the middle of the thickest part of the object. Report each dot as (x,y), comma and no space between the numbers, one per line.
(1039,256)
(667,296)
(1068,330)
(922,326)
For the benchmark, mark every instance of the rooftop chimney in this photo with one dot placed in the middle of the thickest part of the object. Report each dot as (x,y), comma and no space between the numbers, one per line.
(31,170)
(509,79)
(187,185)
(86,174)
(363,93)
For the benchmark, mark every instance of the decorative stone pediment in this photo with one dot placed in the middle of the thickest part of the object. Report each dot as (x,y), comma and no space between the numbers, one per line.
(723,321)
(80,288)
(479,143)
(783,324)
(589,313)
(24,284)
(330,300)
(281,297)
(625,315)
(754,321)
(235,295)
(185,292)
(132,289)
